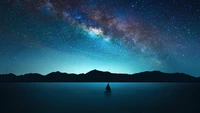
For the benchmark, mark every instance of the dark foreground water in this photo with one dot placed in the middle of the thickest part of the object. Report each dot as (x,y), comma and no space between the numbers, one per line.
(91,98)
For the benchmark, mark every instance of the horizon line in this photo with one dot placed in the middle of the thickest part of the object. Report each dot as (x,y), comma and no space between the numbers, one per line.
(102,71)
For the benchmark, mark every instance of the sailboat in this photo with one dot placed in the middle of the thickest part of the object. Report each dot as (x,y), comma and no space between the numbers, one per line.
(108,89)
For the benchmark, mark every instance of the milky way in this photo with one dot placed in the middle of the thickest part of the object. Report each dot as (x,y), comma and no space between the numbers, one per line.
(118,36)
(104,22)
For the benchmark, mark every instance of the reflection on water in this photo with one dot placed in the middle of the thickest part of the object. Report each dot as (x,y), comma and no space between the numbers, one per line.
(92,98)
(107,94)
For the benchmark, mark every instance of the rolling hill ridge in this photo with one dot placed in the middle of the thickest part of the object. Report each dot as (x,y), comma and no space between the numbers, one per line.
(100,76)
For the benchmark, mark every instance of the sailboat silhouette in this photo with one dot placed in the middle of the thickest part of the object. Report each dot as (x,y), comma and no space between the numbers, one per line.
(108,89)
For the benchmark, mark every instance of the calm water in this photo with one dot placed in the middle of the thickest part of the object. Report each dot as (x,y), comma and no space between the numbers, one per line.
(90,98)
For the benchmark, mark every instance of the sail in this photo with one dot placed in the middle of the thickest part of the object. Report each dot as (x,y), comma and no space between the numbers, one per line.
(108,87)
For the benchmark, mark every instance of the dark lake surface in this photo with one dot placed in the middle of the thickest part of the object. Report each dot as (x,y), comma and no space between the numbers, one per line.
(91,98)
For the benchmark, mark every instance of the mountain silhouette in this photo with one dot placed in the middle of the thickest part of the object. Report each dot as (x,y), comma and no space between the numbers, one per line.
(100,76)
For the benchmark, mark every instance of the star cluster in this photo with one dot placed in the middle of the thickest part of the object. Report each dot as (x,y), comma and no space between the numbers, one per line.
(118,36)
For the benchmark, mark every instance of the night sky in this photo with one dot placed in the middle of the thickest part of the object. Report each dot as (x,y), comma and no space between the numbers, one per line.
(120,36)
